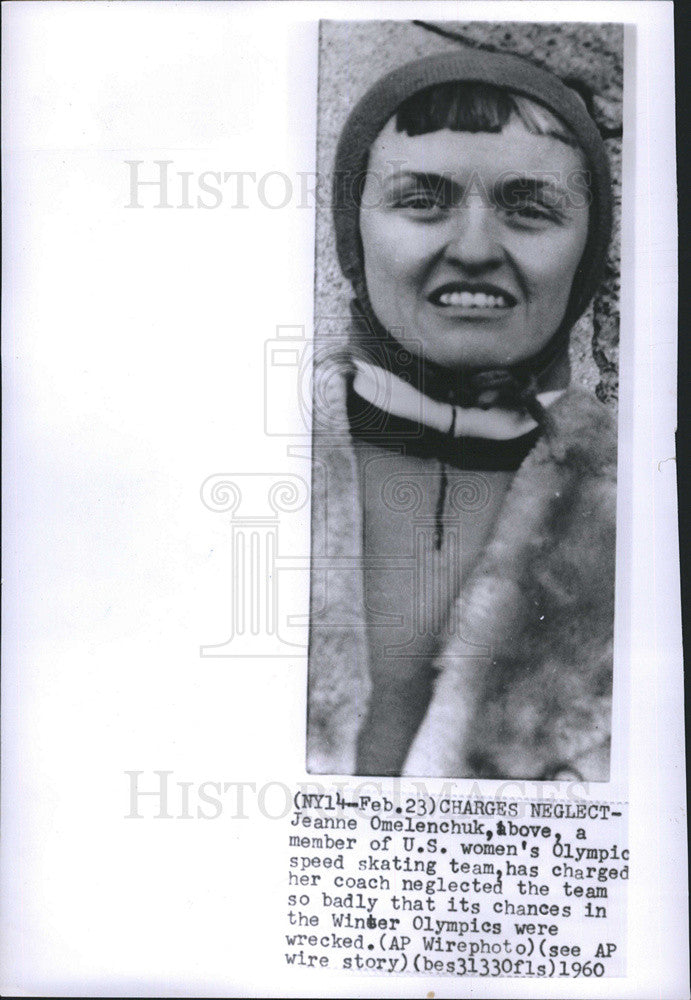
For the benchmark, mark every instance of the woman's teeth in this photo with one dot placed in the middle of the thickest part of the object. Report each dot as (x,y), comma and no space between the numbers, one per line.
(473,300)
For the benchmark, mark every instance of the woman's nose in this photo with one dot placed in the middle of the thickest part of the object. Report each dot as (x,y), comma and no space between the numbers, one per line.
(474,240)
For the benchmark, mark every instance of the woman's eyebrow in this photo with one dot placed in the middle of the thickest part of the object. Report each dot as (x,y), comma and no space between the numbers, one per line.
(430,181)
(538,185)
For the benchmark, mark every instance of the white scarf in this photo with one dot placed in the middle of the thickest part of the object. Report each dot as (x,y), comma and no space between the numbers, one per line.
(390,393)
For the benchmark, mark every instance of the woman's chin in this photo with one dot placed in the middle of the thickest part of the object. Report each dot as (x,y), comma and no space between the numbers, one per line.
(472,356)
(474,345)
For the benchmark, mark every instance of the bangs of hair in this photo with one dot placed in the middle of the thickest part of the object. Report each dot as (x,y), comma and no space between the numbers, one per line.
(476,107)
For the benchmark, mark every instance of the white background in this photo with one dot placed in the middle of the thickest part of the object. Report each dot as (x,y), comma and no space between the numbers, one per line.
(133,370)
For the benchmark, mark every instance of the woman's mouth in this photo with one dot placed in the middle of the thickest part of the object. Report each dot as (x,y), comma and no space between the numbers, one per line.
(475,296)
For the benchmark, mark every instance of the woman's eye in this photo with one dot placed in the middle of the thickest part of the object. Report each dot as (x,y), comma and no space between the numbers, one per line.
(421,201)
(530,212)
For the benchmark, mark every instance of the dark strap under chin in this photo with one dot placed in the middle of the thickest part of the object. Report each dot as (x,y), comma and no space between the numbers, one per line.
(375,426)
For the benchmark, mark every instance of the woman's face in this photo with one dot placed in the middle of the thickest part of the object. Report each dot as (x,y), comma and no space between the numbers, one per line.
(471,240)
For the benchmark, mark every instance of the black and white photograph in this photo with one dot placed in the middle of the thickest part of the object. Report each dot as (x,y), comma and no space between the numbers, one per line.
(466,377)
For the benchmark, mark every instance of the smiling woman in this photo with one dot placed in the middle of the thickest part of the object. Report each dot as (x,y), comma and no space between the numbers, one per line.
(471,634)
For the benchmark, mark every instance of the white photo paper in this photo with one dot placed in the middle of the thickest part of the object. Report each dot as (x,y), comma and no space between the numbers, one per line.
(342,648)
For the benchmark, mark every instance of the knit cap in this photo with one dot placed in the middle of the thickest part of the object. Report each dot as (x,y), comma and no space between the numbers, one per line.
(467,64)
